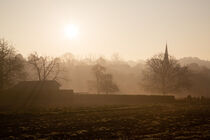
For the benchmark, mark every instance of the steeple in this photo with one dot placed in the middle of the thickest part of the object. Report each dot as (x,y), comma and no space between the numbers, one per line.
(166,60)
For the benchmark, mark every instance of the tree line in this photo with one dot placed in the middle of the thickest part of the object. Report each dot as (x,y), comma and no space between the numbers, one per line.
(104,76)
(14,68)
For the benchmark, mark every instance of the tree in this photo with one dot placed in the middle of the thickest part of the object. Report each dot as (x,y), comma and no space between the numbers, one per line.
(164,74)
(98,71)
(47,68)
(200,79)
(11,65)
(108,85)
(104,81)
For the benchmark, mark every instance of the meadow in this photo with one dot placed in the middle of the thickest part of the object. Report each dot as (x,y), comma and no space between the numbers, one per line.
(149,121)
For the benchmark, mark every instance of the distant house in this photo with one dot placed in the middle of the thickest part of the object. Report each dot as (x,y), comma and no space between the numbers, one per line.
(36,86)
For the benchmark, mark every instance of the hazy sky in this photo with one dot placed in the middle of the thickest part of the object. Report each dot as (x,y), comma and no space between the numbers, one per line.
(136,29)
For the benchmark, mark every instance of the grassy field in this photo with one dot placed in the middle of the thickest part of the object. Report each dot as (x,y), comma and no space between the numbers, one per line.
(168,121)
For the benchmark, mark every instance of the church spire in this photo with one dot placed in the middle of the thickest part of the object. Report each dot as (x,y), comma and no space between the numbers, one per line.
(166,60)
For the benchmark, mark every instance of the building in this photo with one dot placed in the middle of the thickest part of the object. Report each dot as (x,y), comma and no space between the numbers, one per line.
(166,57)
(37,86)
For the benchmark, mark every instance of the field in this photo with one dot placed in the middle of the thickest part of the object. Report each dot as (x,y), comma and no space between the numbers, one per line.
(157,121)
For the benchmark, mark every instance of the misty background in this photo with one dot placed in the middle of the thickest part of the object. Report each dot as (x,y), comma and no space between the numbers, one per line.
(77,73)
(119,35)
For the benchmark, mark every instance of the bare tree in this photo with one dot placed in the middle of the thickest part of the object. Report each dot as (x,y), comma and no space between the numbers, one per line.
(98,71)
(108,85)
(164,75)
(104,81)
(47,68)
(10,64)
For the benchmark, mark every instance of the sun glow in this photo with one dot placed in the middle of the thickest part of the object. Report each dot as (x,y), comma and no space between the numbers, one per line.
(71,31)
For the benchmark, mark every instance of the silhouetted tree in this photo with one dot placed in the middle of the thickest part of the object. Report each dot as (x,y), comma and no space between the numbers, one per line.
(200,79)
(108,85)
(11,65)
(47,68)
(104,81)
(98,71)
(164,74)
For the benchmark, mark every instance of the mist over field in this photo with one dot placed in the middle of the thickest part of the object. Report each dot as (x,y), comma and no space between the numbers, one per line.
(104,70)
(76,73)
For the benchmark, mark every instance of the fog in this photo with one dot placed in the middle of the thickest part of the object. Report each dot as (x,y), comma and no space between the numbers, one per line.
(76,73)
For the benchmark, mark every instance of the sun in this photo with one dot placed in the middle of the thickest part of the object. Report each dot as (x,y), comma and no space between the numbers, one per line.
(71,31)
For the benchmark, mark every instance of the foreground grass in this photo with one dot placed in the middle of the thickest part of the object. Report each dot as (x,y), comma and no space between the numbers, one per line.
(171,121)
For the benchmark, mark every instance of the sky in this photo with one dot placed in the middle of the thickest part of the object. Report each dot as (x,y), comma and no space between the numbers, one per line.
(135,29)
